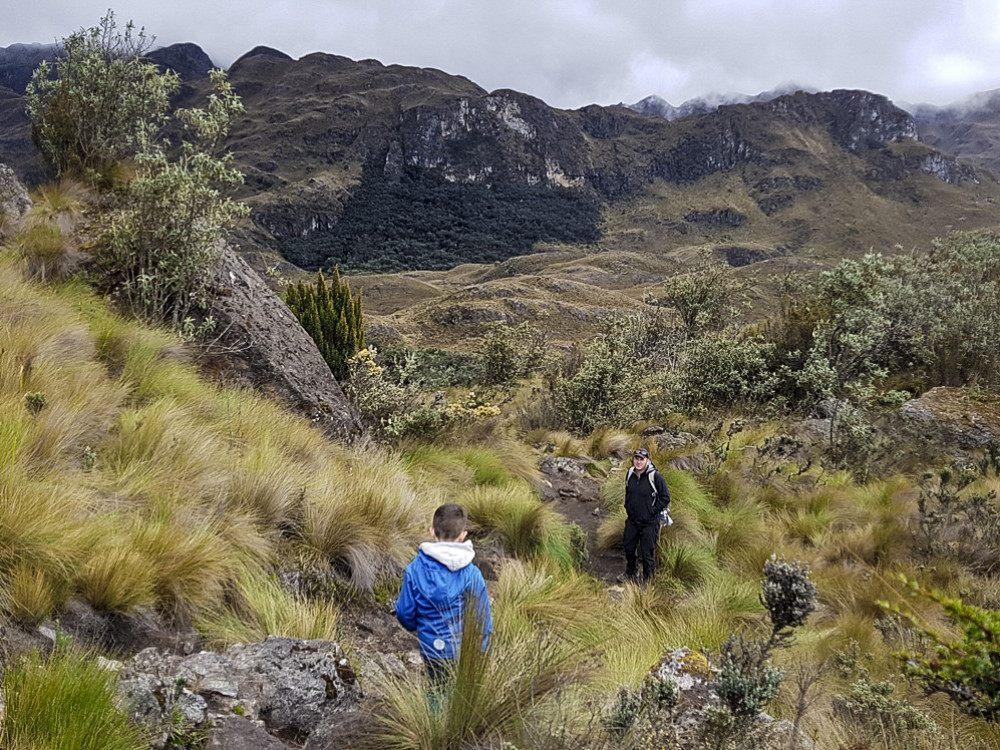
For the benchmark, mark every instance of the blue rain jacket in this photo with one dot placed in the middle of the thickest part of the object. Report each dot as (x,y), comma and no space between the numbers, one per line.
(432,598)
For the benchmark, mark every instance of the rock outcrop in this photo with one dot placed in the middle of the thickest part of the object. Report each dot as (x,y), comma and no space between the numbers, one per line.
(277,689)
(950,416)
(14,199)
(857,120)
(261,343)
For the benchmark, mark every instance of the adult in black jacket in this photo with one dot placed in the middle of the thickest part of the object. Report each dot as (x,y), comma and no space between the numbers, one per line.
(642,510)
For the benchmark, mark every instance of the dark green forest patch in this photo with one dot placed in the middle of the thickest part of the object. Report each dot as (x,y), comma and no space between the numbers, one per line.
(424,222)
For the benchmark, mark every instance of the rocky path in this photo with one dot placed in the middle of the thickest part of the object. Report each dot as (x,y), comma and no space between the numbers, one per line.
(573,493)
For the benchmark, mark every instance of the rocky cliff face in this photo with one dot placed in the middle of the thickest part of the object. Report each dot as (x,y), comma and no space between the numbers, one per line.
(187,60)
(856,120)
(14,199)
(966,130)
(316,129)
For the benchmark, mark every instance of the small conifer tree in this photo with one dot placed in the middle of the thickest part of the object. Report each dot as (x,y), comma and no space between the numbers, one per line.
(331,316)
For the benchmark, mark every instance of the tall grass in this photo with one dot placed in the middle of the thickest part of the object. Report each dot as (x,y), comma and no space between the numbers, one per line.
(689,564)
(529,595)
(43,537)
(524,525)
(64,702)
(264,486)
(261,607)
(192,562)
(117,576)
(365,515)
(487,696)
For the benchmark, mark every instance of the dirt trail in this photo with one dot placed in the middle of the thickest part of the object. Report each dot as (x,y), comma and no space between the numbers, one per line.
(577,497)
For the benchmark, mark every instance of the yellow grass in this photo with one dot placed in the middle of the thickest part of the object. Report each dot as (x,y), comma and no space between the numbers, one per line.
(262,608)
(364,515)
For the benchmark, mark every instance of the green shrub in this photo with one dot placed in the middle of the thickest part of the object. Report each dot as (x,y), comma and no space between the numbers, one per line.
(512,352)
(64,702)
(747,680)
(35,401)
(959,524)
(99,102)
(613,384)
(431,368)
(707,298)
(157,248)
(726,370)
(331,317)
(967,668)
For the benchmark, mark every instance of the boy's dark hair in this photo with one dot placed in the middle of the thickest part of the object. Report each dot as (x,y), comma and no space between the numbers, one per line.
(449,522)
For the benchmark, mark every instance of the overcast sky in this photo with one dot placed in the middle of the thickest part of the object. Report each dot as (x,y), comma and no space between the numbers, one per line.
(576,52)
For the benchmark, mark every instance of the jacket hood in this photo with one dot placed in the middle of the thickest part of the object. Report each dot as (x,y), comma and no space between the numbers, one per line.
(453,555)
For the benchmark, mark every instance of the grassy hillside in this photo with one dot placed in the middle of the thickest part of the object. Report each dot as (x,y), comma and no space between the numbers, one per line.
(132,482)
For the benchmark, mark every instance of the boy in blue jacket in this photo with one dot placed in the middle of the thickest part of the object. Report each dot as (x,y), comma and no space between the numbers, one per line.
(436,587)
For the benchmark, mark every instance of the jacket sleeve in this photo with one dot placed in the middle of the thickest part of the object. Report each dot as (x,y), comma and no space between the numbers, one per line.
(662,493)
(482,596)
(406,605)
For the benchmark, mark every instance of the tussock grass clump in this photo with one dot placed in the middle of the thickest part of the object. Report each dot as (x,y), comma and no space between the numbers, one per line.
(530,594)
(436,466)
(63,202)
(737,528)
(188,552)
(606,442)
(64,702)
(634,635)
(689,564)
(487,695)
(32,593)
(117,577)
(261,607)
(47,241)
(258,429)
(159,446)
(43,537)
(263,486)
(565,444)
(488,468)
(365,515)
(524,525)
(42,247)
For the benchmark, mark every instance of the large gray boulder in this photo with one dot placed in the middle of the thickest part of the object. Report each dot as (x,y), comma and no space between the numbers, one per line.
(283,686)
(261,343)
(14,200)
(949,416)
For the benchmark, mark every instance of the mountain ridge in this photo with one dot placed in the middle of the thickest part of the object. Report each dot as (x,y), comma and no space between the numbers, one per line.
(797,179)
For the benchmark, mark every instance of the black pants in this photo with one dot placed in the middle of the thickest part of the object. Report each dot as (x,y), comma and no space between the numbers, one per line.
(642,536)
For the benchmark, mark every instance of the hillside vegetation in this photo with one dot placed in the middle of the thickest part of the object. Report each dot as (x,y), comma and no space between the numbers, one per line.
(829,563)
(132,483)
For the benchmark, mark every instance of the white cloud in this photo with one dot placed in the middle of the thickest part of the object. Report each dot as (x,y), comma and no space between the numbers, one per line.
(574,52)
